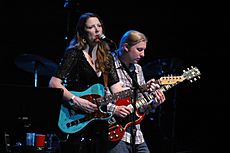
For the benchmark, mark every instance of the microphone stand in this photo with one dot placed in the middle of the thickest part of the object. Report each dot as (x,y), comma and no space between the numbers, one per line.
(133,116)
(136,87)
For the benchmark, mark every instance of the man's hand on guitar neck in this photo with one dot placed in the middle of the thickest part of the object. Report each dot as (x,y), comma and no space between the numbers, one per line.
(160,97)
(152,85)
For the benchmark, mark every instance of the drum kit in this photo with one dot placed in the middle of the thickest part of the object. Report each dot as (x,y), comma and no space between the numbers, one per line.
(36,64)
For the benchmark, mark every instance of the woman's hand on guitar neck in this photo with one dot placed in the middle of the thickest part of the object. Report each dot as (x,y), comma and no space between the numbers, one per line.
(84,105)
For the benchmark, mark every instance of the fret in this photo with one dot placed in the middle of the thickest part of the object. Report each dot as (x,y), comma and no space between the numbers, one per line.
(119,95)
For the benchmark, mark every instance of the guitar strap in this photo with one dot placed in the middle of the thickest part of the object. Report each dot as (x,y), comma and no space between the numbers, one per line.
(106,88)
(105,78)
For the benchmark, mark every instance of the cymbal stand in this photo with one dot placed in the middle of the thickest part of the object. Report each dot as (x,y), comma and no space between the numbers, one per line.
(35,73)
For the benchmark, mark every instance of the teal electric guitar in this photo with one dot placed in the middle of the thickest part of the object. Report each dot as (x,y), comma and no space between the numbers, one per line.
(72,121)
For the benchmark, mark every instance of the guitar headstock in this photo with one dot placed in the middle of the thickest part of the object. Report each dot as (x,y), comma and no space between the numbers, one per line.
(189,74)
(170,79)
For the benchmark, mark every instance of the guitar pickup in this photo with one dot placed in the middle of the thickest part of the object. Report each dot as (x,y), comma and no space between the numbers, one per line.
(112,120)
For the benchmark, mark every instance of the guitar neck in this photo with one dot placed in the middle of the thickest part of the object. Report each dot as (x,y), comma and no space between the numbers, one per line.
(119,95)
(130,92)
(166,83)
(141,102)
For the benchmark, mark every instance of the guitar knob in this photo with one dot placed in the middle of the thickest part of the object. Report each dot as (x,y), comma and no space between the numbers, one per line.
(111,138)
(108,133)
(117,136)
(114,132)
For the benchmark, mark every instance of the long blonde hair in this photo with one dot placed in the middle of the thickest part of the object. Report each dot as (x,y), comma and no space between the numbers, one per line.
(131,37)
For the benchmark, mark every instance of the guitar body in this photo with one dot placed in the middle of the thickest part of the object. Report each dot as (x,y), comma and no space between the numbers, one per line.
(118,125)
(72,121)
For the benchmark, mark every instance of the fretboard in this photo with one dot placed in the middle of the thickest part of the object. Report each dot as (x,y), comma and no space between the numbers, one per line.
(119,95)
(151,96)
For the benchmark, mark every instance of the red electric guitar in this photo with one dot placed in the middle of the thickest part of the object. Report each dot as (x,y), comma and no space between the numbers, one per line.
(118,125)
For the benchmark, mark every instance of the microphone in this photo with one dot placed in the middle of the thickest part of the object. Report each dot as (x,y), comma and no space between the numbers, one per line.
(102,37)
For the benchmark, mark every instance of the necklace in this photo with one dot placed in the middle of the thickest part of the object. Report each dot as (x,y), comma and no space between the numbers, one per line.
(90,54)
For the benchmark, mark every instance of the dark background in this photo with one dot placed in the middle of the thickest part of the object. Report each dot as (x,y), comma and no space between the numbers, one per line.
(181,34)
